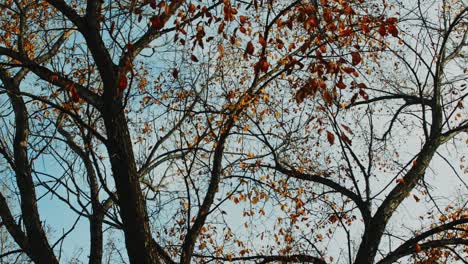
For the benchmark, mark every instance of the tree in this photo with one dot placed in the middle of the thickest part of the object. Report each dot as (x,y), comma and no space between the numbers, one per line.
(162,119)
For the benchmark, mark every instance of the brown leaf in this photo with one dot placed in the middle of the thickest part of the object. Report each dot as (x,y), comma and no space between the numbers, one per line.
(327,97)
(330,138)
(383,30)
(392,29)
(250,48)
(123,82)
(356,58)
(194,58)
(417,248)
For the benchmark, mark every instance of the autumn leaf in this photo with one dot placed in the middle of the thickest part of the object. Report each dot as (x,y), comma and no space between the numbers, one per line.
(157,22)
(243,19)
(123,82)
(191,8)
(392,20)
(392,29)
(330,138)
(346,139)
(262,41)
(417,248)
(382,30)
(300,96)
(356,58)
(74,94)
(175,73)
(194,58)
(327,15)
(340,84)
(262,66)
(327,97)
(250,48)
(363,94)
(347,129)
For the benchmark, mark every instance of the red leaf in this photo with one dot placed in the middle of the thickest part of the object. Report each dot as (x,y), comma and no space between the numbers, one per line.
(327,15)
(194,58)
(330,138)
(346,139)
(382,30)
(243,19)
(347,129)
(356,58)
(341,84)
(112,27)
(300,95)
(392,29)
(364,94)
(74,94)
(191,8)
(417,248)
(221,28)
(123,82)
(392,20)
(349,70)
(327,97)
(157,22)
(362,85)
(243,30)
(262,65)
(262,41)
(313,22)
(250,48)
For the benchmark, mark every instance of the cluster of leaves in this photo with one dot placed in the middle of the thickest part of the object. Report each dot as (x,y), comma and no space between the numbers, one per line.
(230,130)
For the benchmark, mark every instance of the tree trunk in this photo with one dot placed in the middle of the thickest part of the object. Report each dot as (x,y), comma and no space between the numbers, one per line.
(132,205)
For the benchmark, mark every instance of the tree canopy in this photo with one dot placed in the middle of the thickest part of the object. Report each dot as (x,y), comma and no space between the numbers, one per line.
(258,131)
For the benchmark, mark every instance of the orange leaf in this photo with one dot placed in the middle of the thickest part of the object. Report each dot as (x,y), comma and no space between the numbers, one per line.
(262,41)
(243,19)
(400,180)
(327,15)
(417,248)
(262,65)
(191,8)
